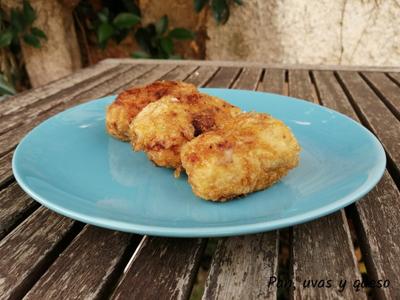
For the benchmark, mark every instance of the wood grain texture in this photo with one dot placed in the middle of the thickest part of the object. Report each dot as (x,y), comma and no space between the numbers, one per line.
(241,267)
(20,101)
(395,77)
(224,77)
(154,74)
(273,82)
(248,79)
(30,112)
(161,268)
(325,242)
(377,214)
(5,168)
(85,268)
(374,113)
(300,85)
(387,90)
(323,250)
(15,205)
(202,75)
(180,73)
(28,249)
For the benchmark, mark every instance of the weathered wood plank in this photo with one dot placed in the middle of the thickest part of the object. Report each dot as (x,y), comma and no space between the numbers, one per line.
(252,64)
(161,267)
(28,249)
(322,250)
(300,85)
(395,77)
(242,266)
(18,102)
(202,75)
(84,270)
(152,75)
(5,168)
(325,242)
(378,212)
(374,113)
(224,77)
(248,79)
(15,205)
(179,73)
(387,90)
(32,111)
(274,81)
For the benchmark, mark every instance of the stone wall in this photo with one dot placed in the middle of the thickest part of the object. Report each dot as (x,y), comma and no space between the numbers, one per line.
(346,32)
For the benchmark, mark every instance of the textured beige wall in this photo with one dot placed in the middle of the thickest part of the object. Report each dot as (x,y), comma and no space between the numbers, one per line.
(347,32)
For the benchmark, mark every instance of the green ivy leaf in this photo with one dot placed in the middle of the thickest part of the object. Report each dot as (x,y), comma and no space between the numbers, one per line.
(32,40)
(181,34)
(239,2)
(16,21)
(38,32)
(5,38)
(29,14)
(162,25)
(103,15)
(5,87)
(125,20)
(140,54)
(220,11)
(167,45)
(199,5)
(104,32)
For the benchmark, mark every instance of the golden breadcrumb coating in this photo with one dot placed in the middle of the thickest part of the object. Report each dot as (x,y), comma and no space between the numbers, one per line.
(162,127)
(252,152)
(130,102)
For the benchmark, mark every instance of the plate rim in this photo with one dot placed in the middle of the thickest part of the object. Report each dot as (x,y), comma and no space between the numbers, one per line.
(210,231)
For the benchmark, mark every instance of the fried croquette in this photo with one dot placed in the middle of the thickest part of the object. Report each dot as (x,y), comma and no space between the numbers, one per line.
(251,152)
(164,126)
(130,102)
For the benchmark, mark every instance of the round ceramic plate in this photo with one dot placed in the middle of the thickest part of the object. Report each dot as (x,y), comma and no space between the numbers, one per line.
(72,166)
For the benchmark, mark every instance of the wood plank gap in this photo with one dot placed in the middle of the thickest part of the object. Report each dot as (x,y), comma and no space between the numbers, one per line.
(15,207)
(391,106)
(206,82)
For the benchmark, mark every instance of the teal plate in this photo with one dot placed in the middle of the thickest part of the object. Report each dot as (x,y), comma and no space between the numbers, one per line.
(72,166)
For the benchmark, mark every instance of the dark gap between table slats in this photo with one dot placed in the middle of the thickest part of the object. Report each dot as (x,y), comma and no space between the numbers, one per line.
(385,89)
(15,206)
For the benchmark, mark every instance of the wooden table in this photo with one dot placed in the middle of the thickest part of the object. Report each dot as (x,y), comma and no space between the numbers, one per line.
(44,255)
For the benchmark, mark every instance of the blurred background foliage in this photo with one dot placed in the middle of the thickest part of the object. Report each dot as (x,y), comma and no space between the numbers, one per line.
(104,28)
